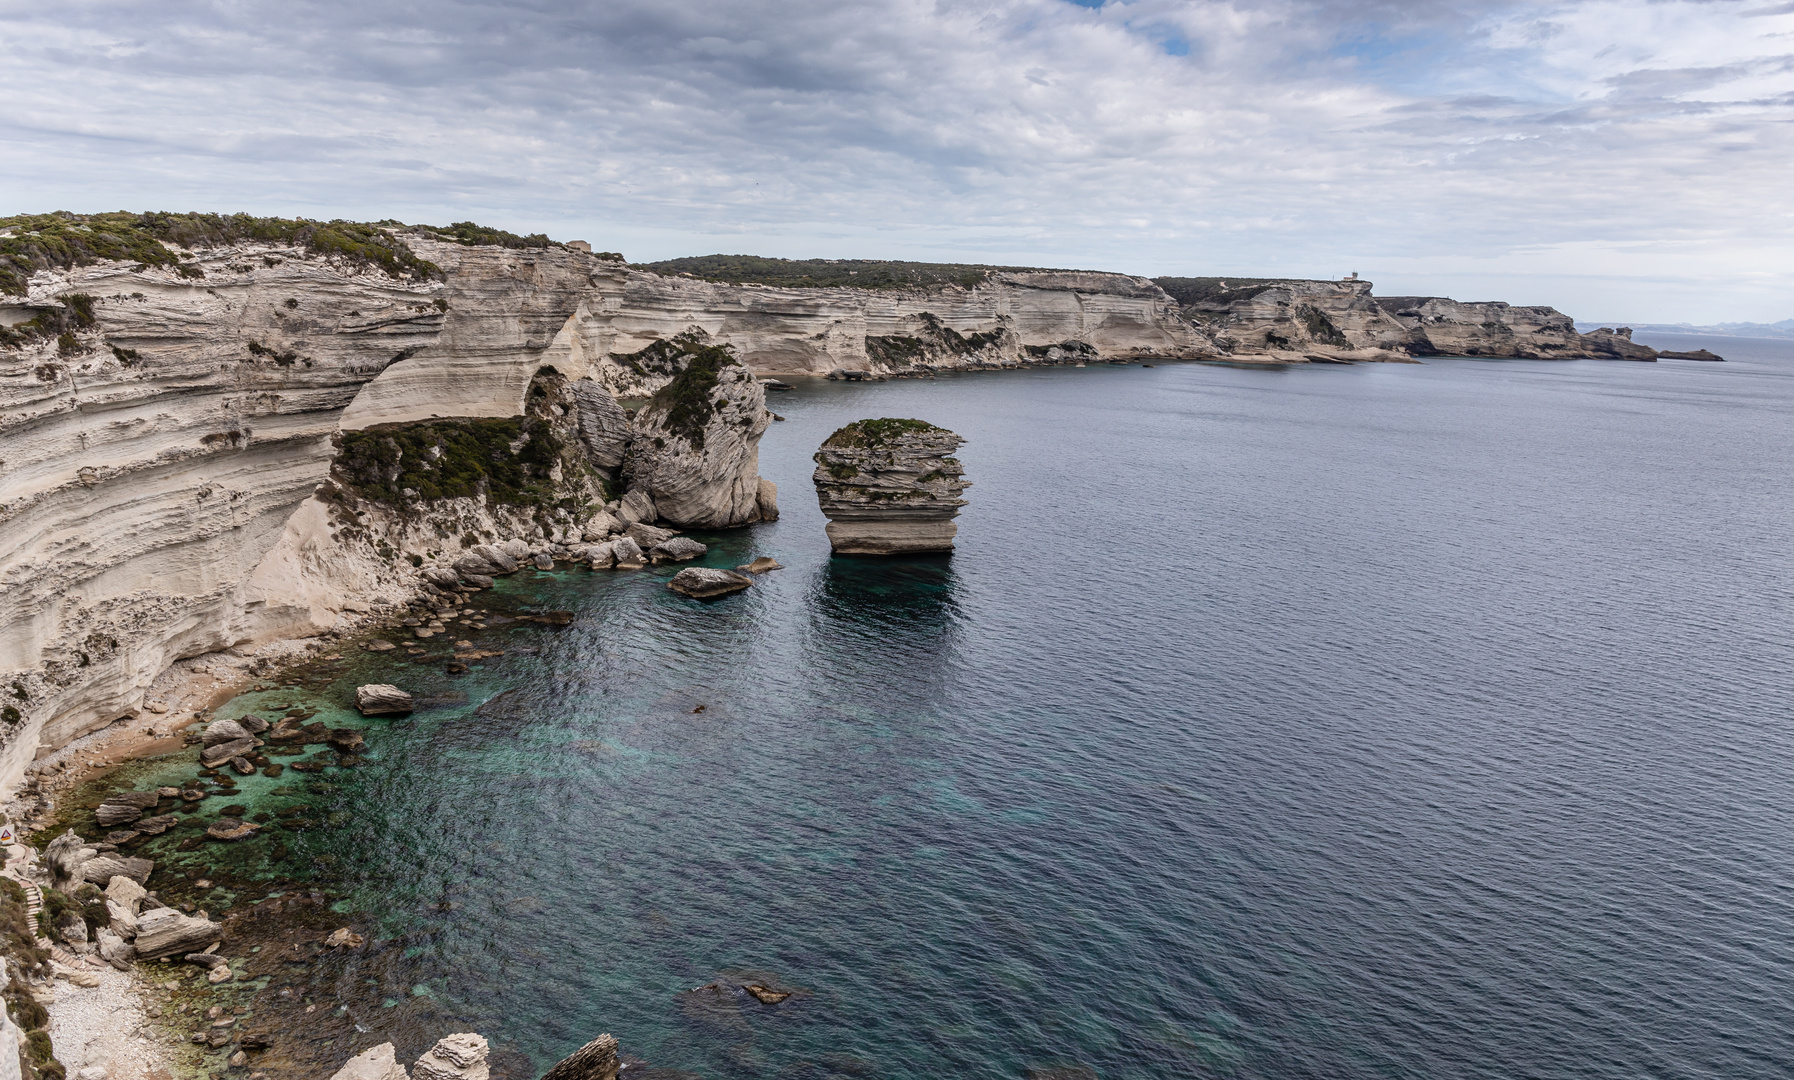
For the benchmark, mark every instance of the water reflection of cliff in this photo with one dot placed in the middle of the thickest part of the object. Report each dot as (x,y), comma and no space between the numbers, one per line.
(879,616)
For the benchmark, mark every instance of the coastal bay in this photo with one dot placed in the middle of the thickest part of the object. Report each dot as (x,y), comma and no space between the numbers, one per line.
(1184,762)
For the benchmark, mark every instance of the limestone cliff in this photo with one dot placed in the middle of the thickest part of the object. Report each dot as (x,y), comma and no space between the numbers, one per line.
(1296,321)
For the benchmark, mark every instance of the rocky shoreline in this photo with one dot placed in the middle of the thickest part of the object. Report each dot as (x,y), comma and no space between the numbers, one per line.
(235,970)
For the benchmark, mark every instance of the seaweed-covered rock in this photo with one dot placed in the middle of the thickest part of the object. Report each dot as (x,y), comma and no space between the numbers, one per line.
(124,807)
(890,487)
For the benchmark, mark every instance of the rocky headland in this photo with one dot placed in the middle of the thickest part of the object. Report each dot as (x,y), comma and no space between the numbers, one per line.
(890,487)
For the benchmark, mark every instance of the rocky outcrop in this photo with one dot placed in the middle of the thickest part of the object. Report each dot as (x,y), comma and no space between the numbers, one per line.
(890,487)
(376,1063)
(454,1057)
(695,446)
(165,932)
(596,1060)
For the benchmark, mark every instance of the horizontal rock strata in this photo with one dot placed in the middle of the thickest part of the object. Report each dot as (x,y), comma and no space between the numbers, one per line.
(890,487)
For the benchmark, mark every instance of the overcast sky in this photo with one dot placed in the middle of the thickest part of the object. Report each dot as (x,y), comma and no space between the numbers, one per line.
(1620,159)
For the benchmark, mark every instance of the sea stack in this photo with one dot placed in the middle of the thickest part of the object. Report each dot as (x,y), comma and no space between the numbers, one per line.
(890,487)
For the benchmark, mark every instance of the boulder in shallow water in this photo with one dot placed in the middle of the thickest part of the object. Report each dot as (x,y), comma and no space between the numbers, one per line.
(378,1063)
(223,731)
(255,725)
(646,536)
(703,583)
(543,562)
(382,699)
(165,931)
(760,566)
(124,807)
(380,645)
(454,1057)
(629,554)
(596,1060)
(232,829)
(677,549)
(601,556)
(213,756)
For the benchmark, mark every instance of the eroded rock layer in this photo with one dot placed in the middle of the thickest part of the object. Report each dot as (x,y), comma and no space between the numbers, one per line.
(890,487)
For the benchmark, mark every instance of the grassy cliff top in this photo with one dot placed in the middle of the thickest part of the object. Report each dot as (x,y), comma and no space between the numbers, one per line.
(827,273)
(33,242)
(873,433)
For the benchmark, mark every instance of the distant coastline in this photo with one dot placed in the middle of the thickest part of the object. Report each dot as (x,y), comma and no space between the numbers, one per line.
(1783,330)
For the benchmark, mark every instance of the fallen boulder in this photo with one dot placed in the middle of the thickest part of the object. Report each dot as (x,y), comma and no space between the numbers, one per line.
(703,583)
(378,1063)
(127,893)
(165,931)
(125,807)
(114,949)
(629,554)
(382,699)
(677,549)
(596,1060)
(454,1057)
(255,725)
(601,556)
(646,536)
(216,755)
(102,868)
(601,526)
(223,731)
(67,857)
(443,577)
(760,566)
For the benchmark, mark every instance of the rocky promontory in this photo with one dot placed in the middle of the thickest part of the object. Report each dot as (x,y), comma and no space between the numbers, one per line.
(890,487)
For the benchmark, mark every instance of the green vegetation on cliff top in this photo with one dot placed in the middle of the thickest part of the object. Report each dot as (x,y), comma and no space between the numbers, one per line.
(33,242)
(873,433)
(685,402)
(827,273)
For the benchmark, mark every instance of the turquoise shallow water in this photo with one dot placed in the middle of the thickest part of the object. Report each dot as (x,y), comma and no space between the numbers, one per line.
(1382,721)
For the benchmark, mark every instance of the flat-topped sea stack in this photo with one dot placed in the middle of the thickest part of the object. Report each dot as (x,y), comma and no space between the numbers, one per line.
(890,487)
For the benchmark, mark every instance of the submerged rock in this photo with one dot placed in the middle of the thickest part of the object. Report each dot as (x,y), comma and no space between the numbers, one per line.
(382,699)
(702,583)
(232,829)
(890,487)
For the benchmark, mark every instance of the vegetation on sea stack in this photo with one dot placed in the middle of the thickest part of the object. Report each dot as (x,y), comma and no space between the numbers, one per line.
(685,405)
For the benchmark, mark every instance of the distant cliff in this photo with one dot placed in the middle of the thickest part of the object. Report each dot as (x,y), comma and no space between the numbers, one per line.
(221,430)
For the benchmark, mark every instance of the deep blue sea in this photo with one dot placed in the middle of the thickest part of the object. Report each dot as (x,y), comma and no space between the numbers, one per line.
(1320,722)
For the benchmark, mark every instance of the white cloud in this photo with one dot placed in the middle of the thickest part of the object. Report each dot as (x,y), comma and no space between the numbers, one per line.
(1596,152)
